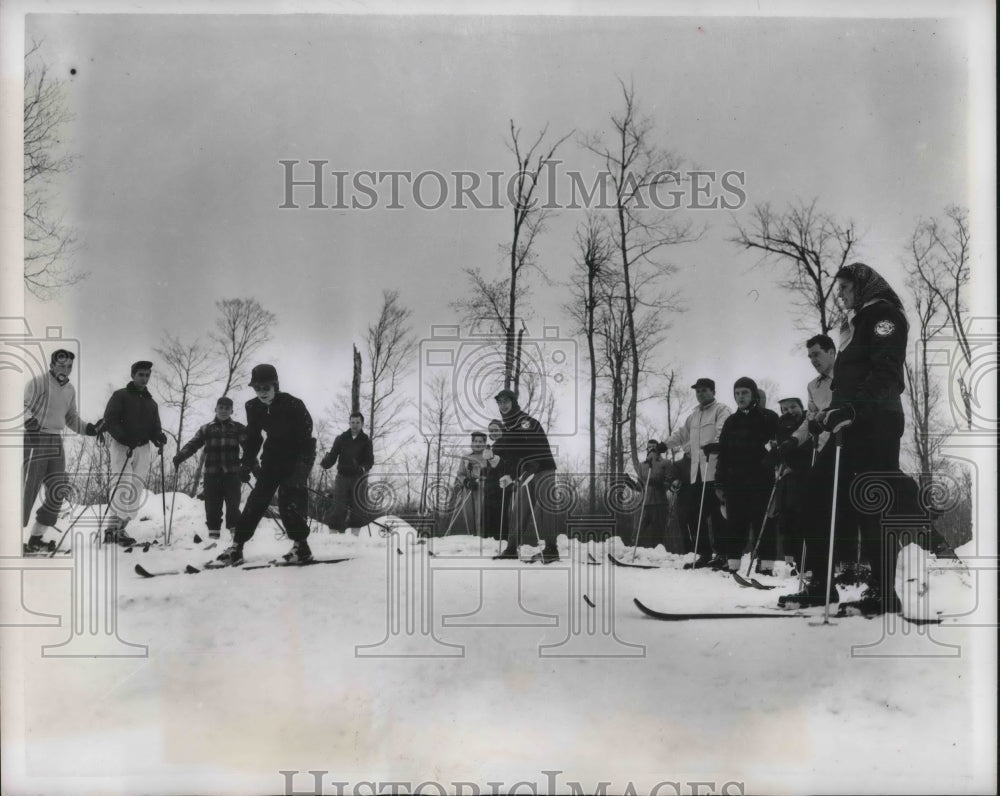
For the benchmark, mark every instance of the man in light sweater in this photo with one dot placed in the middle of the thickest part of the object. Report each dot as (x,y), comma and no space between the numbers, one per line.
(49,407)
(701,428)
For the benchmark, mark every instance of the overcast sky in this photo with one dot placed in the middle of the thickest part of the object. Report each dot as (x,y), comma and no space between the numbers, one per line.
(181,121)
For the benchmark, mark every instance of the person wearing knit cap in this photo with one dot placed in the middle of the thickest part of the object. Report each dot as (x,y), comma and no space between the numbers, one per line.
(221,438)
(286,461)
(525,452)
(743,477)
(132,420)
(49,407)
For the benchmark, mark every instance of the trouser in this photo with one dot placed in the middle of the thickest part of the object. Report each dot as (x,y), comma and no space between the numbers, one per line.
(44,465)
(746,502)
(691,499)
(345,499)
(128,496)
(653,529)
(292,504)
(222,489)
(496,521)
(542,492)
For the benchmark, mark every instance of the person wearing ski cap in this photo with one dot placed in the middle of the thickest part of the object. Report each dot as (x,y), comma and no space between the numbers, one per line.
(132,420)
(655,476)
(743,478)
(49,407)
(525,454)
(701,428)
(352,453)
(221,438)
(496,516)
(791,462)
(286,460)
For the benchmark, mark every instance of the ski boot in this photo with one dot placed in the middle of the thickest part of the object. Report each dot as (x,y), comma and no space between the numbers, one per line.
(510,551)
(116,534)
(231,556)
(550,554)
(810,596)
(299,554)
(36,544)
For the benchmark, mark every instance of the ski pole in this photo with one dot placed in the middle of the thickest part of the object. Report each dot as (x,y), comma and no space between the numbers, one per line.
(763,525)
(458,510)
(503,501)
(802,566)
(642,509)
(173,500)
(838,440)
(111,496)
(701,506)
(531,508)
(86,489)
(163,497)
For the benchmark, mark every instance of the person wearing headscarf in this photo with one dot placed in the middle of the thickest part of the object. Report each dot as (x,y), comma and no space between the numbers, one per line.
(868,380)
(743,477)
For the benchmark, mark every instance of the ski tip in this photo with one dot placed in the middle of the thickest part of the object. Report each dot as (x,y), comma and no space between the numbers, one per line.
(139,570)
(589,602)
(197,539)
(191,570)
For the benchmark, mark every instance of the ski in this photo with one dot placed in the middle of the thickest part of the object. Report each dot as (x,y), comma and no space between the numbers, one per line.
(145,573)
(725,615)
(619,563)
(752,583)
(592,561)
(281,563)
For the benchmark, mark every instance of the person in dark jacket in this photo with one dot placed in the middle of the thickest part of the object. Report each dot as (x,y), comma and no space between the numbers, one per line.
(525,453)
(221,439)
(132,419)
(352,453)
(743,479)
(287,458)
(655,476)
(495,503)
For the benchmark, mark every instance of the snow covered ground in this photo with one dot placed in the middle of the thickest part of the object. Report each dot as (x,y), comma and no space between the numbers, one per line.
(399,666)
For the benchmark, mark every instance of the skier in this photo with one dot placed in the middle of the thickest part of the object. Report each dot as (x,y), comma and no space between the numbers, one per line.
(866,387)
(132,418)
(471,469)
(792,465)
(526,452)
(222,438)
(287,458)
(496,505)
(353,455)
(702,427)
(49,407)
(743,478)
(655,475)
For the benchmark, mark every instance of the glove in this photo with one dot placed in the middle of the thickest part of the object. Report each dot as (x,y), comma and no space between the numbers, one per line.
(470,483)
(529,469)
(90,430)
(815,427)
(246,471)
(505,481)
(720,494)
(328,461)
(771,459)
(711,448)
(160,440)
(842,415)
(32,424)
(177,460)
(788,446)
(299,476)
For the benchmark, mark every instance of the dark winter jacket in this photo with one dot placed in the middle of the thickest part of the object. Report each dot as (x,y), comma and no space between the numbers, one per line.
(743,446)
(289,434)
(352,456)
(222,440)
(868,373)
(663,472)
(132,417)
(524,447)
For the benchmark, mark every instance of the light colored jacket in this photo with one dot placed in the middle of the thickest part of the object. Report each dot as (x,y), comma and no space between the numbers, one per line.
(820,396)
(52,404)
(701,427)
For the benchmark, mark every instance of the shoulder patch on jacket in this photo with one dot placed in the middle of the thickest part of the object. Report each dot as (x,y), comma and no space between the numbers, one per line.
(884,328)
(526,424)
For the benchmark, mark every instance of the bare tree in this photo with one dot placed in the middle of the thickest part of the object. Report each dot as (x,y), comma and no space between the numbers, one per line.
(438,415)
(595,251)
(528,222)
(185,375)
(48,242)
(356,382)
(391,346)
(636,166)
(939,271)
(811,246)
(242,326)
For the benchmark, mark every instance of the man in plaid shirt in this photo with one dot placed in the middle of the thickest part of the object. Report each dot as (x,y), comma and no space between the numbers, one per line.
(222,439)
